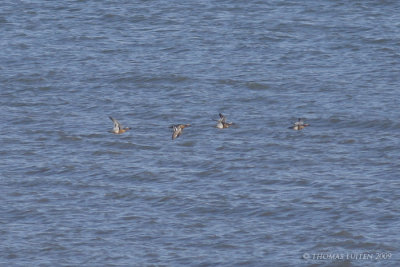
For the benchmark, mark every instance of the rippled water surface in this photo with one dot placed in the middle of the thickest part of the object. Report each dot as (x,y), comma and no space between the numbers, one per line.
(255,194)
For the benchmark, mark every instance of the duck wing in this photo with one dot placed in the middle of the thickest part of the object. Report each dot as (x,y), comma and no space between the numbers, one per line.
(222,118)
(117,124)
(177,132)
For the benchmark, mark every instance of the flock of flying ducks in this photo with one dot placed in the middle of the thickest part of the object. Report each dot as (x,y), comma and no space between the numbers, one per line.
(221,124)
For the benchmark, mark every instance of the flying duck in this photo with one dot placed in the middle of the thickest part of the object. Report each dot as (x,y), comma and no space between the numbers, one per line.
(299,125)
(118,127)
(222,122)
(178,130)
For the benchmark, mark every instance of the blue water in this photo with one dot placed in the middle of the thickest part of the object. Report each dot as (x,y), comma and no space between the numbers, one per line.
(255,194)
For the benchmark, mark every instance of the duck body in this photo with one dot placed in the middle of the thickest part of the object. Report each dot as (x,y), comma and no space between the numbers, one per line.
(118,129)
(299,125)
(222,122)
(177,130)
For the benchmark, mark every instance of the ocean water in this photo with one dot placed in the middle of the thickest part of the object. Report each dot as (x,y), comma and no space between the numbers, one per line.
(255,194)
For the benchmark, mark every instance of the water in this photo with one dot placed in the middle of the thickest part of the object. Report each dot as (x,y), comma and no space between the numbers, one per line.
(257,194)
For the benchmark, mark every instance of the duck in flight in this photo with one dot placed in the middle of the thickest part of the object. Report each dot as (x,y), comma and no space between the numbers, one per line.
(178,130)
(222,122)
(299,125)
(118,129)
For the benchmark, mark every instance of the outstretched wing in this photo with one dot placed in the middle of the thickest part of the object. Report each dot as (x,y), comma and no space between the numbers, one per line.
(117,125)
(222,118)
(299,122)
(177,132)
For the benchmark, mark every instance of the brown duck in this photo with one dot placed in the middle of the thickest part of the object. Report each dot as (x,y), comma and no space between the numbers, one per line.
(118,129)
(178,130)
(299,125)
(222,122)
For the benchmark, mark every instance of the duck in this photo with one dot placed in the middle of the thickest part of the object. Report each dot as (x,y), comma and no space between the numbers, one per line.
(118,129)
(299,125)
(177,130)
(222,122)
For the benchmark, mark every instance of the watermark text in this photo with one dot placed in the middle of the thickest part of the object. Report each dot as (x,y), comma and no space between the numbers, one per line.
(367,256)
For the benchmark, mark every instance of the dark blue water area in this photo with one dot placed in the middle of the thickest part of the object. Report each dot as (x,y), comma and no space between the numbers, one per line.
(254,194)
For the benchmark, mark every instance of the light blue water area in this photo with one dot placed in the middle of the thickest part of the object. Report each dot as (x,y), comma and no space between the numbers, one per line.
(254,194)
